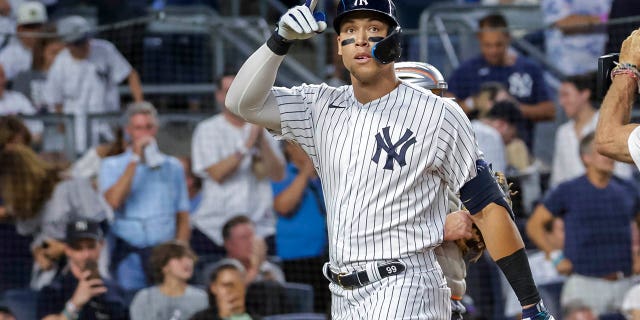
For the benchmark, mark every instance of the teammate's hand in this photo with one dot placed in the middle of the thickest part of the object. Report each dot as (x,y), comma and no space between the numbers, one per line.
(458,225)
(630,51)
(300,23)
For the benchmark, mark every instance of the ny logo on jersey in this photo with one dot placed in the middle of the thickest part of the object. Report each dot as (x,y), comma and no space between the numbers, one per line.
(390,148)
(360,3)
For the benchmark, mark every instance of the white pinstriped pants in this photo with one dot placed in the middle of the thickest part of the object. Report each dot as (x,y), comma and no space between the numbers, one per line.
(420,292)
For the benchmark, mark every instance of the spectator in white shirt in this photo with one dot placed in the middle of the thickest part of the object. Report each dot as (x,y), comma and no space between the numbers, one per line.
(17,56)
(235,159)
(84,79)
(14,103)
(575,96)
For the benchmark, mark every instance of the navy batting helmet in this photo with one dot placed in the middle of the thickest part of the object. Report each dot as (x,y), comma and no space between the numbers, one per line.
(388,49)
(421,74)
(384,7)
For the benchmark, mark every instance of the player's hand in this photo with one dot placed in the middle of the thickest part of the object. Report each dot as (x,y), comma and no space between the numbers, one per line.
(301,22)
(630,51)
(458,225)
(87,289)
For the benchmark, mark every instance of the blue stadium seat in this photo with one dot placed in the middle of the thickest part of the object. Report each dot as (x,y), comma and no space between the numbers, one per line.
(299,297)
(297,316)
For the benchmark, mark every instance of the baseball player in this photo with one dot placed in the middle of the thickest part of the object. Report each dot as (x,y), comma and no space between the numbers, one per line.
(386,151)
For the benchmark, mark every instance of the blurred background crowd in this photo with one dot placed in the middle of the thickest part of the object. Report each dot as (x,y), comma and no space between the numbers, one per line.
(127,191)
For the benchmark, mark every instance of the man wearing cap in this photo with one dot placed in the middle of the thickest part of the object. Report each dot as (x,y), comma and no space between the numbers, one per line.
(84,79)
(78,291)
(17,56)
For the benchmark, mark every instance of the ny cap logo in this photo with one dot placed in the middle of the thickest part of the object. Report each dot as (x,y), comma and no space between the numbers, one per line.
(360,3)
(390,148)
(81,226)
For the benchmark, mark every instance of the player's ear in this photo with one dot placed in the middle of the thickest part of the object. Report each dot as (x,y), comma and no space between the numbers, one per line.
(339,45)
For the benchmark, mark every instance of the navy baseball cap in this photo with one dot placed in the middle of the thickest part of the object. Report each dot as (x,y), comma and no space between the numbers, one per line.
(83,229)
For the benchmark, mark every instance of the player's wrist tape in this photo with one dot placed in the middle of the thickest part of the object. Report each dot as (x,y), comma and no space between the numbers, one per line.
(373,272)
(278,44)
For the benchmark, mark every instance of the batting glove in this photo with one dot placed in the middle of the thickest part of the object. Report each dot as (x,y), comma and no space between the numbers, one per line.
(300,23)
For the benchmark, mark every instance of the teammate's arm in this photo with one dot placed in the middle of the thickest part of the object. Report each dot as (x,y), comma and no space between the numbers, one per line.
(250,94)
(614,130)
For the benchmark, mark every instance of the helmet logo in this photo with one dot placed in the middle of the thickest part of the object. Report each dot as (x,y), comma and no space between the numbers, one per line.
(360,3)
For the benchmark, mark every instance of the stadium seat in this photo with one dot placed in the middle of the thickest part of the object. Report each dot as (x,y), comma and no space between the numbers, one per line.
(299,297)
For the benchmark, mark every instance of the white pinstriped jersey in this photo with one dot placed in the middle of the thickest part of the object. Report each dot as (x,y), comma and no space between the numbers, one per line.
(384,165)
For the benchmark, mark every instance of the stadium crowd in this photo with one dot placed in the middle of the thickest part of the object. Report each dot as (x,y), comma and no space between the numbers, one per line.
(231,229)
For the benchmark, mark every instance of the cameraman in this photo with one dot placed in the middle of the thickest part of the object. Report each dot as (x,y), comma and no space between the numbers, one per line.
(616,138)
(78,291)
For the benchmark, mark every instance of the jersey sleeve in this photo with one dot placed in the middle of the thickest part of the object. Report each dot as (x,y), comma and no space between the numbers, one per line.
(554,200)
(52,92)
(457,149)
(540,89)
(458,84)
(296,107)
(119,65)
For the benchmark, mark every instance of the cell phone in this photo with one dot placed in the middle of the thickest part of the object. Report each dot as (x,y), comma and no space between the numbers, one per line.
(606,64)
(92,266)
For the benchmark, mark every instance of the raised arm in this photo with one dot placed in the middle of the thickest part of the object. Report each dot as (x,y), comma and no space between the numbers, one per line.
(614,130)
(250,94)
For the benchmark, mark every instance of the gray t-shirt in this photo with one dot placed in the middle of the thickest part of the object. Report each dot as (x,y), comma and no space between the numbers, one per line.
(151,303)
(71,199)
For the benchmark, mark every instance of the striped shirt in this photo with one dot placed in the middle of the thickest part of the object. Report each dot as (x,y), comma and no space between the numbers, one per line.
(385,165)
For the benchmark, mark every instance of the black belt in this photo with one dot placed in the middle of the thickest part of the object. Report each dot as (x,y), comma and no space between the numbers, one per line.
(357,279)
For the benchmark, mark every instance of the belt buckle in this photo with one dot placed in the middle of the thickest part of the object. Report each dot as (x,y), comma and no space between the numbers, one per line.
(340,275)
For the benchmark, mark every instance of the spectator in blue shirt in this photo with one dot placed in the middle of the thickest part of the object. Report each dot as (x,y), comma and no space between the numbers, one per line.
(496,63)
(148,194)
(598,210)
(301,229)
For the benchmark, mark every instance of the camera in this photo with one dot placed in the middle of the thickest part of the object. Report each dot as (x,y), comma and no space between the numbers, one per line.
(606,64)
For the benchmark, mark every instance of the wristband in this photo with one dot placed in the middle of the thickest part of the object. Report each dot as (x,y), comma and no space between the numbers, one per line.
(626,69)
(556,261)
(278,44)
(70,311)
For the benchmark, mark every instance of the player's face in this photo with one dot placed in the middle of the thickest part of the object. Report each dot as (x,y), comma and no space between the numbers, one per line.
(140,126)
(180,268)
(494,45)
(354,45)
(571,99)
